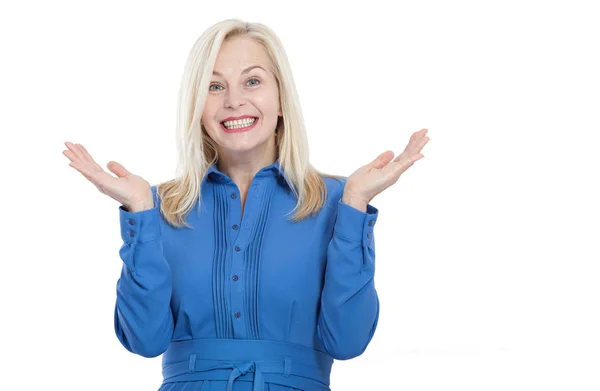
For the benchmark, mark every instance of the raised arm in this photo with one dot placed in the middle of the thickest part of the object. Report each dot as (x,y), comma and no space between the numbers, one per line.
(349,301)
(143,318)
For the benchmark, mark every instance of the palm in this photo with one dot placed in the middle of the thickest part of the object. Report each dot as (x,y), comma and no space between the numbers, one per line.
(371,179)
(126,188)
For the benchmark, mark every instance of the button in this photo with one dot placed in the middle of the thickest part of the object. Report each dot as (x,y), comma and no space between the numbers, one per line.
(237,314)
(235,226)
(131,221)
(237,249)
(235,277)
(131,233)
(233,195)
(370,223)
(368,235)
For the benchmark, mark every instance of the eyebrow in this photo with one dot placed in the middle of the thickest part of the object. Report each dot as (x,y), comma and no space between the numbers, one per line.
(244,71)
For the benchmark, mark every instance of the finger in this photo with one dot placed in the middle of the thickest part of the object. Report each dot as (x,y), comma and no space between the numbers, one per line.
(74,149)
(417,135)
(85,153)
(88,158)
(382,160)
(403,158)
(411,144)
(416,145)
(422,144)
(101,179)
(405,161)
(71,149)
(81,170)
(70,155)
(118,169)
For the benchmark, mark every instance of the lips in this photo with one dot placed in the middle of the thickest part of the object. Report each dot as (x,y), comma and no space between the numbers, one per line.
(240,117)
(238,130)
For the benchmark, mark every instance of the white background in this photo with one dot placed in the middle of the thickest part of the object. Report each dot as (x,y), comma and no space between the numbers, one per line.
(487,249)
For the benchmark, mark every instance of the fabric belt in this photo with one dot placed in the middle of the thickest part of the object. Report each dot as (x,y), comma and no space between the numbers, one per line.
(258,361)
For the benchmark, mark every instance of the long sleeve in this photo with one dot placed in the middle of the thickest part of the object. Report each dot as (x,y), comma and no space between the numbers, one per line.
(143,318)
(349,303)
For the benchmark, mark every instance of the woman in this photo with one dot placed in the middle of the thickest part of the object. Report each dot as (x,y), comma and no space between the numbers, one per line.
(216,275)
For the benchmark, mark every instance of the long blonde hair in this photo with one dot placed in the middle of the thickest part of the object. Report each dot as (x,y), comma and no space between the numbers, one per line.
(197,151)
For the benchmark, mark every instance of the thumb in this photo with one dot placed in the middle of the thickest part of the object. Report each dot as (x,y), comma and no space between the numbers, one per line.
(118,169)
(383,159)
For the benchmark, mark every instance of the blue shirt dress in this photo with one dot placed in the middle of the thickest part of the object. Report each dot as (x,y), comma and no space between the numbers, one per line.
(248,301)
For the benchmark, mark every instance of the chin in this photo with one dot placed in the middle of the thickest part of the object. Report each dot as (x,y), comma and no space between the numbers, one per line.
(244,145)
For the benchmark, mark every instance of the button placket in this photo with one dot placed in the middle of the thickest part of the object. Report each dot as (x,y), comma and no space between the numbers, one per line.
(237,291)
(240,226)
(238,237)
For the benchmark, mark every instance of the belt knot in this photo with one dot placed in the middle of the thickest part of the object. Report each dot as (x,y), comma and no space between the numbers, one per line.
(240,369)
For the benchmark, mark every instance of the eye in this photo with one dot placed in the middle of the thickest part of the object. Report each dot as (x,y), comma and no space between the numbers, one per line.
(255,80)
(214,85)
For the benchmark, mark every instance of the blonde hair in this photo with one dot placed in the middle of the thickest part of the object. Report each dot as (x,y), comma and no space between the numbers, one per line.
(197,151)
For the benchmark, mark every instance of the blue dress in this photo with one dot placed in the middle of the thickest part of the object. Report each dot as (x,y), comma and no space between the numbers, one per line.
(248,301)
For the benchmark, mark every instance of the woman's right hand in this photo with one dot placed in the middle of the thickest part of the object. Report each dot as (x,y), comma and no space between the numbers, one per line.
(132,191)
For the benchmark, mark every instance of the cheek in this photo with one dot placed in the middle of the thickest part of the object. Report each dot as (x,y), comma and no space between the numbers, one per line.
(210,110)
(270,103)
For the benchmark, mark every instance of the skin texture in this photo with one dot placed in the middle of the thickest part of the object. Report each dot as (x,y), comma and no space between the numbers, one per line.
(373,178)
(233,93)
(130,190)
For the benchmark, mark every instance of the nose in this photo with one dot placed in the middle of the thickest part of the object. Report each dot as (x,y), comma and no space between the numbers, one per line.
(234,98)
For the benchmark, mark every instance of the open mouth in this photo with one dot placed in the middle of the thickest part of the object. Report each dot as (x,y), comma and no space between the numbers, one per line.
(239,123)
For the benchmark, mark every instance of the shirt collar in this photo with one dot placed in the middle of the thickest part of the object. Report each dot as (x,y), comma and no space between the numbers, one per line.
(274,170)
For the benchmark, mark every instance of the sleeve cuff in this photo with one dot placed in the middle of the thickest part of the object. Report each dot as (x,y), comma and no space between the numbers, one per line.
(140,226)
(354,224)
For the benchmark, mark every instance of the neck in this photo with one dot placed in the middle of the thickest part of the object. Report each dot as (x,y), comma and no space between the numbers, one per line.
(242,168)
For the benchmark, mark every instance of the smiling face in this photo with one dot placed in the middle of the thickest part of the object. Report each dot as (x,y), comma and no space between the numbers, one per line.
(242,105)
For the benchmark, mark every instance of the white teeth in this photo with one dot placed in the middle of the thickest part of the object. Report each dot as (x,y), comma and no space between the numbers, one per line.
(239,123)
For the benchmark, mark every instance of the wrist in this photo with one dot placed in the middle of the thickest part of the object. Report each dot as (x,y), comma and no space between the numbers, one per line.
(356,202)
(140,206)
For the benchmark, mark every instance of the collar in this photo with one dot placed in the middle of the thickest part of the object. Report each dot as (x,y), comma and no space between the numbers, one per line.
(273,170)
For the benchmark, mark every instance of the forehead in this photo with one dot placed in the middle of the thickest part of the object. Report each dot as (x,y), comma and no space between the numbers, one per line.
(238,53)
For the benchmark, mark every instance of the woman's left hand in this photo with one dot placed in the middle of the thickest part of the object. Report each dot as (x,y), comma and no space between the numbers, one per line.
(369,180)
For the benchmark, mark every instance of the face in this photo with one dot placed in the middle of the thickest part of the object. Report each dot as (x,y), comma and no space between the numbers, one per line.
(242,106)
